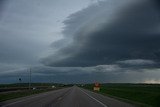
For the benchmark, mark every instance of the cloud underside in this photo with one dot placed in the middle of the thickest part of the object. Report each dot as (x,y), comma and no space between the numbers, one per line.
(101,73)
(102,34)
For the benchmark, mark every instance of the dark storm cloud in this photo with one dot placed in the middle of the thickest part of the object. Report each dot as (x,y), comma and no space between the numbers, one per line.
(109,41)
(109,32)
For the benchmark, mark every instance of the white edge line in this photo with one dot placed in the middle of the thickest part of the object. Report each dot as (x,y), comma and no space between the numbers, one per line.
(94,99)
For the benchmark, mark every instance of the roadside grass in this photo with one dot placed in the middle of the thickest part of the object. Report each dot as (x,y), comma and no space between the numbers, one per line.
(12,91)
(17,94)
(148,94)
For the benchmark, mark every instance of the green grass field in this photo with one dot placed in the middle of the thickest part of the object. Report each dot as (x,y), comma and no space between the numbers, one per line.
(148,94)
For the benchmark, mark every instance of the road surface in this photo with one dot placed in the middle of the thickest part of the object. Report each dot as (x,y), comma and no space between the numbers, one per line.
(67,97)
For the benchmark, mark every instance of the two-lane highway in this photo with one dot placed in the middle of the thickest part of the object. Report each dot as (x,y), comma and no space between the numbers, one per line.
(68,97)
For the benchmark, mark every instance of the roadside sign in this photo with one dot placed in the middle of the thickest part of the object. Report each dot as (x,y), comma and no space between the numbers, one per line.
(96,84)
(96,87)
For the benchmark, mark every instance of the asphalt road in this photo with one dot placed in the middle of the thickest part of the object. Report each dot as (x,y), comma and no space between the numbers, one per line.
(67,97)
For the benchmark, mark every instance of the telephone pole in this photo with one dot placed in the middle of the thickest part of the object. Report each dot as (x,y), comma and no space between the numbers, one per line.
(29,78)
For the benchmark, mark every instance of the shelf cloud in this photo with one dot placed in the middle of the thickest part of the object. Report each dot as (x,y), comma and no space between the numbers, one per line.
(104,40)
(108,32)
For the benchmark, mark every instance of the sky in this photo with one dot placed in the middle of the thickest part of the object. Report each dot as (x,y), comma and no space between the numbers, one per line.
(80,41)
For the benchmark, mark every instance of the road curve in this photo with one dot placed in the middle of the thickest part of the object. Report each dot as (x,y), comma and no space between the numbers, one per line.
(67,97)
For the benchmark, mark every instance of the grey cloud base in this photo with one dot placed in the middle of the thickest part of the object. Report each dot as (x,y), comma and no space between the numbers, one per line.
(102,34)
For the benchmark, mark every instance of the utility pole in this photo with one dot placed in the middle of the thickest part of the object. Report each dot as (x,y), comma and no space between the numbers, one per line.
(29,78)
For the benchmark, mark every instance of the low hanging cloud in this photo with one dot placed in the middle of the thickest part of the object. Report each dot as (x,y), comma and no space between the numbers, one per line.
(101,73)
(108,32)
(137,62)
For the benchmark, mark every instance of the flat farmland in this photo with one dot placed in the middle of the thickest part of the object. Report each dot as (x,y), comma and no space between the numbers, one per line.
(146,94)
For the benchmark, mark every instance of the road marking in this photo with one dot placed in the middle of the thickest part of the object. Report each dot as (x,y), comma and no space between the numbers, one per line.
(94,99)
